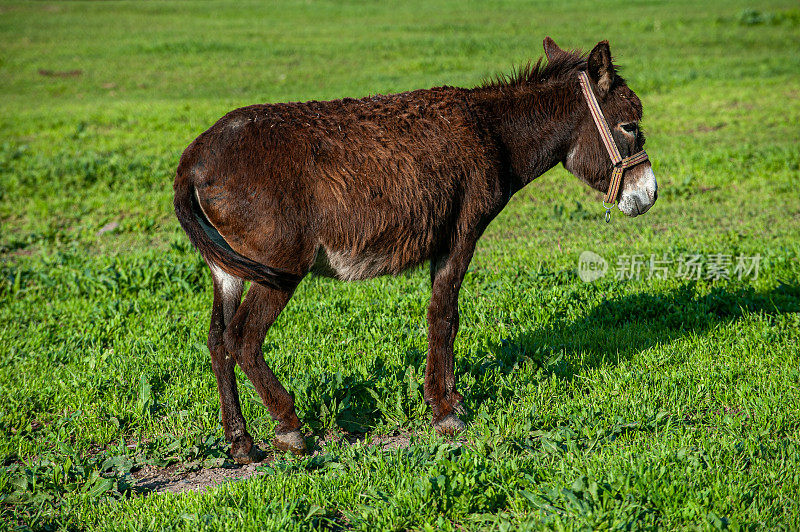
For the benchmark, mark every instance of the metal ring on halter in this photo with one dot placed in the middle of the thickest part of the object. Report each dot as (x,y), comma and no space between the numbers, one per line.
(608,210)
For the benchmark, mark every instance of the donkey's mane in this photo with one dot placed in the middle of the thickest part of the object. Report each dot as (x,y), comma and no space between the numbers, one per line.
(533,73)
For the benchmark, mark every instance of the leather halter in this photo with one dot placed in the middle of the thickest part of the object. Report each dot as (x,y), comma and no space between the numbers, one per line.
(620,164)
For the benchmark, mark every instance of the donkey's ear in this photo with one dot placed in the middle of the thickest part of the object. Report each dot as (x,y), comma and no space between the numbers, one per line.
(551,49)
(601,70)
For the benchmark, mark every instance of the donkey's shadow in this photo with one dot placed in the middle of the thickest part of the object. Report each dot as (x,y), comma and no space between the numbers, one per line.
(610,333)
(617,329)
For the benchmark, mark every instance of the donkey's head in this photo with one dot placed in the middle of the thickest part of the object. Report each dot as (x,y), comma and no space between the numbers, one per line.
(587,156)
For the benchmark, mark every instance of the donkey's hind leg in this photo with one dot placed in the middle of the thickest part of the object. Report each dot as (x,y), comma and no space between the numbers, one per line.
(244,338)
(227,297)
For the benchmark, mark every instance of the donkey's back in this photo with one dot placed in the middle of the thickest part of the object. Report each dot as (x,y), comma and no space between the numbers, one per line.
(354,188)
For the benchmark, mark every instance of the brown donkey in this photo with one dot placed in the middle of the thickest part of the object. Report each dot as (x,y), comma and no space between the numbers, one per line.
(355,189)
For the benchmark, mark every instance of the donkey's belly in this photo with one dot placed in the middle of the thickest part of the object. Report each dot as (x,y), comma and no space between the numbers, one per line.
(344,266)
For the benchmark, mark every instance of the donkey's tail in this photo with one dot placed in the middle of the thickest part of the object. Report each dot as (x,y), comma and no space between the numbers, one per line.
(213,247)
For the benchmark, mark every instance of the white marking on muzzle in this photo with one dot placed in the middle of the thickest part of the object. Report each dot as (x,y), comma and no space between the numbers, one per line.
(640,190)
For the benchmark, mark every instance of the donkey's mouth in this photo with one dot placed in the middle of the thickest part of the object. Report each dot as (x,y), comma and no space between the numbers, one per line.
(636,203)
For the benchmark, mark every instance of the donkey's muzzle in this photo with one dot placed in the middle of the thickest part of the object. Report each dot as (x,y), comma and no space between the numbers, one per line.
(639,195)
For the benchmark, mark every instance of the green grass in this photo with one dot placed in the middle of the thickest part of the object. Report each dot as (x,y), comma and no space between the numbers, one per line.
(649,403)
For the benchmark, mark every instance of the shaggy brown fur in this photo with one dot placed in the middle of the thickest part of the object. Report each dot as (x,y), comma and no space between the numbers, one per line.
(354,189)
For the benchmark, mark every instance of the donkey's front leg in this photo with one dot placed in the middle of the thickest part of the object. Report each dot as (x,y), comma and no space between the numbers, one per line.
(440,393)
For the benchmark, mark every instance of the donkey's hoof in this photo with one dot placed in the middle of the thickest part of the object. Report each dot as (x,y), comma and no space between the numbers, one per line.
(291,441)
(449,425)
(253,455)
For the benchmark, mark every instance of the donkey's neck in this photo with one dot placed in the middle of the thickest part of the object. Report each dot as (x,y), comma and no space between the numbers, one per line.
(532,125)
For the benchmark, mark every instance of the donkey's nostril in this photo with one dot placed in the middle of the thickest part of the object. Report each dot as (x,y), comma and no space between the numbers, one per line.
(655,195)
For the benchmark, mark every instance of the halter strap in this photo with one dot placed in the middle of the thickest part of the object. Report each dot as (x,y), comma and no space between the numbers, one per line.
(620,163)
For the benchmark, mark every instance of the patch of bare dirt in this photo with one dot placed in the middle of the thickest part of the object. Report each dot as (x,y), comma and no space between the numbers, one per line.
(60,73)
(175,478)
(704,128)
(400,440)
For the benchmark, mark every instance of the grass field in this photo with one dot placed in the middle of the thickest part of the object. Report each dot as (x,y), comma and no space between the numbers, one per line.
(624,403)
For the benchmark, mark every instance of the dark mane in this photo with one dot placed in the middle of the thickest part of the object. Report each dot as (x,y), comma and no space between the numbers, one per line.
(539,72)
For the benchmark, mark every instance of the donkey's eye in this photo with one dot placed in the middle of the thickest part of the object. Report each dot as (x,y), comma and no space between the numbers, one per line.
(629,127)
